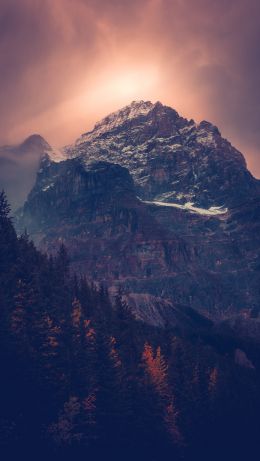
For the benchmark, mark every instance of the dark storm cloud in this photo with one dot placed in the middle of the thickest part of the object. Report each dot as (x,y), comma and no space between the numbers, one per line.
(207,53)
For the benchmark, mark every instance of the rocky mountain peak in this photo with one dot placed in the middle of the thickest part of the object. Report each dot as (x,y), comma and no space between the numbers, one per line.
(138,113)
(170,158)
(133,111)
(35,141)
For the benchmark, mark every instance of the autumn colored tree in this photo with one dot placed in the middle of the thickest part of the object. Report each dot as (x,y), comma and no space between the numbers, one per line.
(76,423)
(156,375)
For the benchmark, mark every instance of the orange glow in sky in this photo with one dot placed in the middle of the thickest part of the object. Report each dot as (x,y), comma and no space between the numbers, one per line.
(66,64)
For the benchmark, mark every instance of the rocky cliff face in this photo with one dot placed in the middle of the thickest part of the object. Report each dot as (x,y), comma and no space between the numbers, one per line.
(157,205)
(111,235)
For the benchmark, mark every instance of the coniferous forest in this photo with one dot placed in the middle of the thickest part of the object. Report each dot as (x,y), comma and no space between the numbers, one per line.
(82,379)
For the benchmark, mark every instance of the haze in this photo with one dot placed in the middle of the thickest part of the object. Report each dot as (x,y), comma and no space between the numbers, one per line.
(64,64)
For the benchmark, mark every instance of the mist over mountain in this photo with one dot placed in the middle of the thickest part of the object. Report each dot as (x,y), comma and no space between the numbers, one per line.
(18,167)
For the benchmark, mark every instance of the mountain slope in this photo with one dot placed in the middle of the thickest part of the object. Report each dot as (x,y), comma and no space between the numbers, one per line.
(110,234)
(161,256)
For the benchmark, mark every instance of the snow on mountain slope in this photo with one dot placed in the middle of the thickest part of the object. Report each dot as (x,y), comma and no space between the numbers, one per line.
(212,211)
(170,158)
(112,121)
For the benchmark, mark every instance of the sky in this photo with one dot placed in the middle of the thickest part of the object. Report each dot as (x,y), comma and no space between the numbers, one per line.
(64,64)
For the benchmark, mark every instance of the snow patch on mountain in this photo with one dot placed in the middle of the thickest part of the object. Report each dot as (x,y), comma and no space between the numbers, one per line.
(189,206)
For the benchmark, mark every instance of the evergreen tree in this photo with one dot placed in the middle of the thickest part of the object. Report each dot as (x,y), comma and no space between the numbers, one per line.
(5,208)
(156,375)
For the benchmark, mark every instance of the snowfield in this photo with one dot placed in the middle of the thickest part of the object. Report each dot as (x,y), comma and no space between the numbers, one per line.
(212,211)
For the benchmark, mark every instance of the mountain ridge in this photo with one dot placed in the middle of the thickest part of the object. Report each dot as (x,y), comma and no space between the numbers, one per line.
(171,159)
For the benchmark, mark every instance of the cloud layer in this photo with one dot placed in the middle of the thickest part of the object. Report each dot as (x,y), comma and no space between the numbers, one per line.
(66,63)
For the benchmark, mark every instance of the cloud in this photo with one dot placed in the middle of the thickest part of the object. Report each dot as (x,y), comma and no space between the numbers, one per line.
(18,168)
(61,61)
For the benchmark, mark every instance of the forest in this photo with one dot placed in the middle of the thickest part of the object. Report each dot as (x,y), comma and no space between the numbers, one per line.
(82,378)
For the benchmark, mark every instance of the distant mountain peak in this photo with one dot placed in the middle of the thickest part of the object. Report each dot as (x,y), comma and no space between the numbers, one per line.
(35,141)
(37,145)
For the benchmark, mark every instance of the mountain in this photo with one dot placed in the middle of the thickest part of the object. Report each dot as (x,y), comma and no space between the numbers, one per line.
(170,158)
(18,167)
(171,246)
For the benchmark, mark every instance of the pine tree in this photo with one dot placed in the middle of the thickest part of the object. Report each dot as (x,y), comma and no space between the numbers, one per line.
(62,264)
(156,371)
(19,316)
(5,208)
(51,351)
(81,349)
(125,333)
(213,381)
(8,251)
(62,289)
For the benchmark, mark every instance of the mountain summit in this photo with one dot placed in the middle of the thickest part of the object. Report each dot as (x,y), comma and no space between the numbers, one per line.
(135,110)
(171,159)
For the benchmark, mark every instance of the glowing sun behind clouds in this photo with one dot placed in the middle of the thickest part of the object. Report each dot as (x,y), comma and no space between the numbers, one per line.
(119,87)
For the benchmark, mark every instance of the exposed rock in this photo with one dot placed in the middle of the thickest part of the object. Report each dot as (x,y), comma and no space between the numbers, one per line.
(170,158)
(162,256)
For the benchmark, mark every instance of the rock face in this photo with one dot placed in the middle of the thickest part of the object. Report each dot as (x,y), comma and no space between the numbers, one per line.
(170,158)
(173,245)
(111,235)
